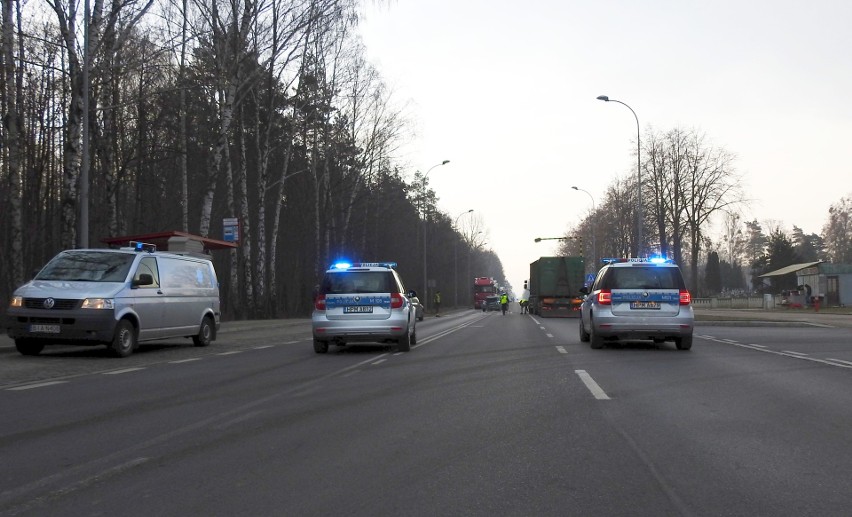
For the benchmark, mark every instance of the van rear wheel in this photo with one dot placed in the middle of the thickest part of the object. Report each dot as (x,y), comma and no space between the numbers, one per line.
(28,346)
(124,341)
(206,333)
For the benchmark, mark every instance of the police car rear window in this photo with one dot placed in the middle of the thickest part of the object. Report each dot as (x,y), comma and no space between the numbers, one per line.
(651,277)
(346,282)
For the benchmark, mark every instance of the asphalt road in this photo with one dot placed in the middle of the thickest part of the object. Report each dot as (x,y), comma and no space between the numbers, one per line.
(487,415)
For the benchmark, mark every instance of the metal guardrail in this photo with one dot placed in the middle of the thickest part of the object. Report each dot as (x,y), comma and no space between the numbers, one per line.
(751,302)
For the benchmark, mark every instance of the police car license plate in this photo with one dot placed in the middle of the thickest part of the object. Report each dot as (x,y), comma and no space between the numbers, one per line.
(358,309)
(45,329)
(644,305)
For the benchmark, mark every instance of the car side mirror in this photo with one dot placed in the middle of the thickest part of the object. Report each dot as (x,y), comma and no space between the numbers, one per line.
(412,294)
(144,279)
(584,290)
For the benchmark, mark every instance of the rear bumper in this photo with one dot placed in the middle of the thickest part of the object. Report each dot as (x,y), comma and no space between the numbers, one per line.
(621,327)
(367,332)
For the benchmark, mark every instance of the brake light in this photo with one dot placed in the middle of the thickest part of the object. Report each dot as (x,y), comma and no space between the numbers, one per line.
(605,297)
(396,301)
(685,298)
(319,303)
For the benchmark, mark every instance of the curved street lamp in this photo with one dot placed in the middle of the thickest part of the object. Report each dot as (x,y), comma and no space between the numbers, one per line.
(594,251)
(425,299)
(638,172)
(456,257)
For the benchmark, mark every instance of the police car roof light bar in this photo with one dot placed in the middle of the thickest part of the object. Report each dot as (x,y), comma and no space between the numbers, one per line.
(143,246)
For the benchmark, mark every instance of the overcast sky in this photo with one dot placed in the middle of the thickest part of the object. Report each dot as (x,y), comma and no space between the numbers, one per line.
(507,92)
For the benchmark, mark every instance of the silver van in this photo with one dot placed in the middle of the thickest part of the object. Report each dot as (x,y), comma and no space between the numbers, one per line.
(117,297)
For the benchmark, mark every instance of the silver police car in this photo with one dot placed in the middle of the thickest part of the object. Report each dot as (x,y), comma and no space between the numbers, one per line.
(363,302)
(637,299)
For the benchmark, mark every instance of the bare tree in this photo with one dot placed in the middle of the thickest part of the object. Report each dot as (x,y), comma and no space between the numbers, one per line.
(710,185)
(66,14)
(10,98)
(837,232)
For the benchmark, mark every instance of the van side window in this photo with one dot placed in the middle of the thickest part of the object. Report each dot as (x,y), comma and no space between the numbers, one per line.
(148,265)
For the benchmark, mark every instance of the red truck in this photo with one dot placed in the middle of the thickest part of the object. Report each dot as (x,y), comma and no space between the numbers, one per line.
(483,287)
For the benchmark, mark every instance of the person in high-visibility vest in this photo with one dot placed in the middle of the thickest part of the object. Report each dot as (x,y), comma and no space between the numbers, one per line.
(504,302)
(437,301)
(525,300)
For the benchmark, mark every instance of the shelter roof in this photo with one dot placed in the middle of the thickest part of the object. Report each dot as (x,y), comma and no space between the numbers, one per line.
(161,239)
(790,269)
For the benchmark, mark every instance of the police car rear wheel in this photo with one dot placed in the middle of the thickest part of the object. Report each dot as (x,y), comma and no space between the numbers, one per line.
(597,341)
(124,340)
(404,343)
(320,347)
(28,346)
(584,336)
(683,343)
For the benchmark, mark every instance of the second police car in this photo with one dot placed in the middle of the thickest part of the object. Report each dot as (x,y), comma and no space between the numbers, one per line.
(363,303)
(637,298)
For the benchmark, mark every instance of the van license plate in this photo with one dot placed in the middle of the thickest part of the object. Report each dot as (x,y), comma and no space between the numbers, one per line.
(358,309)
(45,329)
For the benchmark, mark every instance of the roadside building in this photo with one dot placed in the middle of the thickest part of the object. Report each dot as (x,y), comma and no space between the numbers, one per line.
(831,284)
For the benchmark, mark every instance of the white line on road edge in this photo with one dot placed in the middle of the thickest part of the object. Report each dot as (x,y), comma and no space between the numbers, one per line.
(844,364)
(792,355)
(126,370)
(39,385)
(561,349)
(232,352)
(179,361)
(421,342)
(549,335)
(592,385)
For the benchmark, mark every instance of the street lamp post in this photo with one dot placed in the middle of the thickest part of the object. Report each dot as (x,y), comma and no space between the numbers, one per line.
(425,300)
(456,257)
(594,250)
(639,215)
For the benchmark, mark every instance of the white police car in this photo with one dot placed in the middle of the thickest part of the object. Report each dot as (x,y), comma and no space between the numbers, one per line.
(637,299)
(363,302)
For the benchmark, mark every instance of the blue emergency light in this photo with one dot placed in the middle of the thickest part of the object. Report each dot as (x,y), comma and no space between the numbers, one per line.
(143,246)
(348,265)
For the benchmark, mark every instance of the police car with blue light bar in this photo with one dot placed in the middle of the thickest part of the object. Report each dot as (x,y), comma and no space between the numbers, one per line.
(637,299)
(363,302)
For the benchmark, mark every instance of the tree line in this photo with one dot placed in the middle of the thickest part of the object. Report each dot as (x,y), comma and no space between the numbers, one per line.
(690,188)
(175,115)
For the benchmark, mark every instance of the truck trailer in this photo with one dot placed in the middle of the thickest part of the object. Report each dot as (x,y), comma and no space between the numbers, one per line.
(555,284)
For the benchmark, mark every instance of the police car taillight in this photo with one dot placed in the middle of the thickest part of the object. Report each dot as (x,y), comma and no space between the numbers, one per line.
(605,297)
(397,301)
(685,298)
(319,303)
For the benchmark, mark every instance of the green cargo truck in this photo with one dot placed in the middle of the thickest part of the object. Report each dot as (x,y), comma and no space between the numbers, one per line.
(554,286)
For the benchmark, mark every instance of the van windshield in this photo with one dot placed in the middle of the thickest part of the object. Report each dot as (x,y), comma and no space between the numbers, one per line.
(87,265)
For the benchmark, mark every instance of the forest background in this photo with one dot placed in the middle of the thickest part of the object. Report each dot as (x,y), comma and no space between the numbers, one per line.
(137,117)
